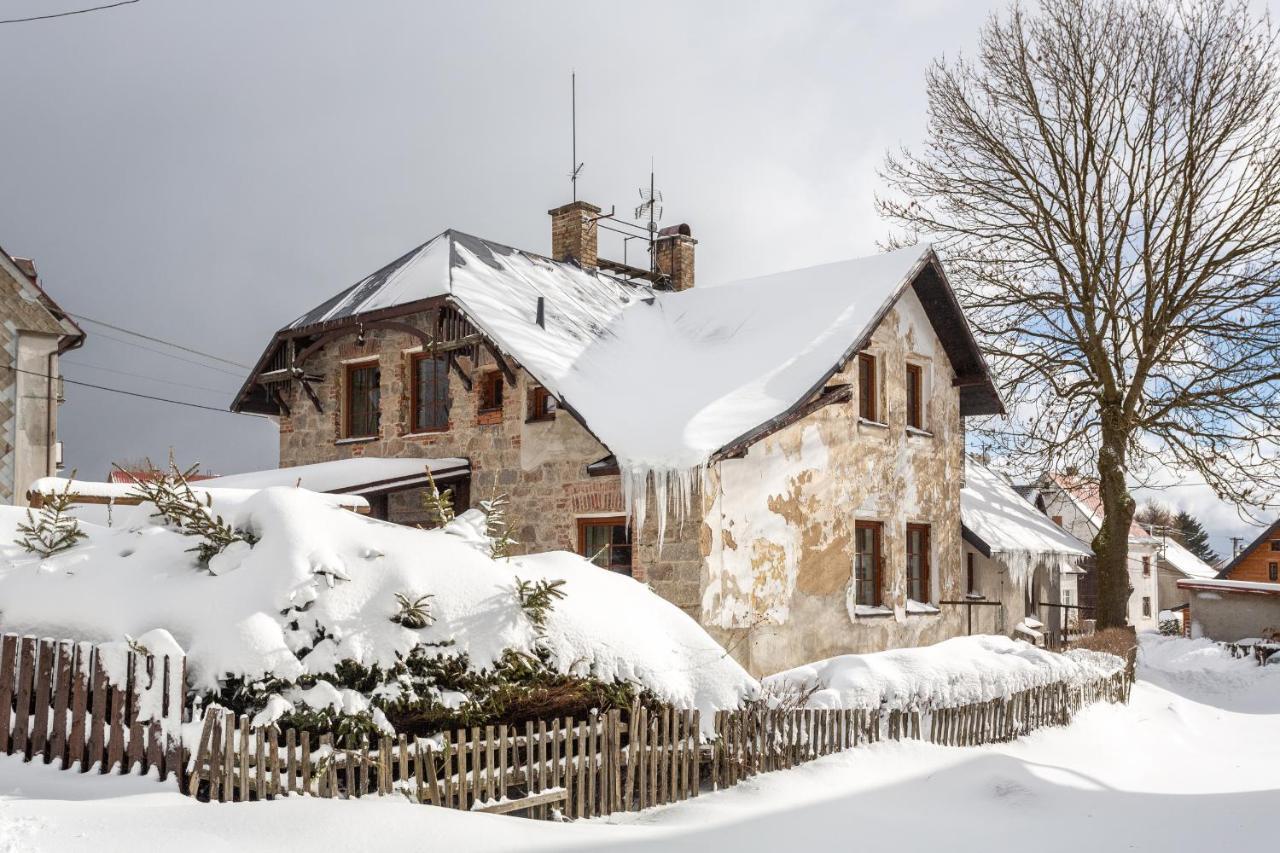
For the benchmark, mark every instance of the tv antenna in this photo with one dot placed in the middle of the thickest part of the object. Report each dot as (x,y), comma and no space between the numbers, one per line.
(573,122)
(649,211)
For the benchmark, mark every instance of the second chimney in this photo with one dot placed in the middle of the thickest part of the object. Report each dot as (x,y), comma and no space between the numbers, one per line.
(573,233)
(674,247)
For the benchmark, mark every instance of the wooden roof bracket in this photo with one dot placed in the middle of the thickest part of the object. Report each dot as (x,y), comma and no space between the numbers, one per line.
(507,372)
(279,398)
(315,400)
(463,377)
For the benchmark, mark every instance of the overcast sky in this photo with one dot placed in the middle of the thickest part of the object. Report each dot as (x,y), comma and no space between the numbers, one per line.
(206,171)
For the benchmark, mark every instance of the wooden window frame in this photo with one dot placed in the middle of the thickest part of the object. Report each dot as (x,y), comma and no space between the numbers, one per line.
(1273,571)
(867,408)
(1275,544)
(877,580)
(539,398)
(1146,566)
(969,577)
(414,365)
(348,398)
(926,579)
(606,521)
(1146,606)
(915,396)
(490,382)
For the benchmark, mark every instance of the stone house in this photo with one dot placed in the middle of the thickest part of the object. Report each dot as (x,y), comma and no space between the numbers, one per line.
(34,333)
(781,457)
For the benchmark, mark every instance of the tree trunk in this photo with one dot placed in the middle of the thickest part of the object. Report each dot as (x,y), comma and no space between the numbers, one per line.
(1111,545)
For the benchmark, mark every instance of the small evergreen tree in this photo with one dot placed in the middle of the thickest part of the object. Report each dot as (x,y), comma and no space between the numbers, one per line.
(497,526)
(439,505)
(538,599)
(1194,537)
(177,504)
(52,530)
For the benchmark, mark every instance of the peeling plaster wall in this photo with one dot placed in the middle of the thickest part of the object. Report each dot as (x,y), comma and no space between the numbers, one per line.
(780,521)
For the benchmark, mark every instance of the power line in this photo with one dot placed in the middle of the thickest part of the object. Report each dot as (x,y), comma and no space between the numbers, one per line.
(168,355)
(161,341)
(146,376)
(68,14)
(132,393)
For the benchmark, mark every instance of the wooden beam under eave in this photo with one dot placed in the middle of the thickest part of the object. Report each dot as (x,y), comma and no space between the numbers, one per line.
(507,372)
(463,376)
(315,400)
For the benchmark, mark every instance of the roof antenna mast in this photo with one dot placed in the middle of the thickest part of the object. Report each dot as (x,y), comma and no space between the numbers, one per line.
(650,212)
(573,122)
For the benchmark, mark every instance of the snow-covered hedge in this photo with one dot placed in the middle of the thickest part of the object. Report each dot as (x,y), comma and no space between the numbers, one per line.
(315,589)
(954,672)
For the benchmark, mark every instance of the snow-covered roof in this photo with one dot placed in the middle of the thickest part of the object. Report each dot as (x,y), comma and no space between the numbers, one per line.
(1183,561)
(358,475)
(715,363)
(1226,585)
(126,493)
(1088,501)
(1006,523)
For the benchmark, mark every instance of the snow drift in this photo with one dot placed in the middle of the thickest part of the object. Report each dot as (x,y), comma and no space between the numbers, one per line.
(954,672)
(319,586)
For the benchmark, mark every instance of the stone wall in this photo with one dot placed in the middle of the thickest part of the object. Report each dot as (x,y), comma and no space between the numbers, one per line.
(540,465)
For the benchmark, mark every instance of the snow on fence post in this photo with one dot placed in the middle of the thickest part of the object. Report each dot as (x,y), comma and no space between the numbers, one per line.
(114,706)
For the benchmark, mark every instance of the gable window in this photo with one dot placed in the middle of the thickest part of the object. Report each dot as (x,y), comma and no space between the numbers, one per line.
(491,392)
(364,400)
(606,542)
(1275,544)
(970,588)
(867,387)
(866,563)
(542,406)
(915,396)
(918,562)
(1273,571)
(430,394)
(1146,567)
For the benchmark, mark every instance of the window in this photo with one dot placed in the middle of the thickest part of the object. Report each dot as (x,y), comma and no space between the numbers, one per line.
(1068,597)
(1275,544)
(866,387)
(364,399)
(430,394)
(968,574)
(1273,571)
(1146,567)
(606,542)
(542,406)
(918,562)
(866,563)
(491,392)
(1146,605)
(915,396)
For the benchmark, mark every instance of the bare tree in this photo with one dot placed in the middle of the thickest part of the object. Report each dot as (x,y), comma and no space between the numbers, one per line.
(1104,183)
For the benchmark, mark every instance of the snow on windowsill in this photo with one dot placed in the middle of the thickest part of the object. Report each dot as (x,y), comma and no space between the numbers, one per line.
(871,423)
(917,608)
(922,433)
(864,610)
(425,433)
(357,439)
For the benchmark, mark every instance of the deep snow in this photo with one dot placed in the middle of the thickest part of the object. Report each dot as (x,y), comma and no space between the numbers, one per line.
(1188,765)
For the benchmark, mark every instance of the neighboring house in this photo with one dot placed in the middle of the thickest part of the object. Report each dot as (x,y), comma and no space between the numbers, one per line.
(1243,600)
(781,457)
(1177,563)
(34,332)
(1259,561)
(1017,556)
(1077,507)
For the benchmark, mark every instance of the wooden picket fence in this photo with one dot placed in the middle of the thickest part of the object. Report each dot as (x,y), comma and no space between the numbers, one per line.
(563,767)
(754,741)
(58,705)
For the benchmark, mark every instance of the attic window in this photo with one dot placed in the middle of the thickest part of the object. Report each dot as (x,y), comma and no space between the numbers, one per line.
(542,406)
(1275,544)
(867,387)
(915,396)
(491,392)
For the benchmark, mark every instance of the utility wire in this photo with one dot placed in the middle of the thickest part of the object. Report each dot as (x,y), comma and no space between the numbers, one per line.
(169,355)
(68,14)
(133,393)
(146,376)
(161,341)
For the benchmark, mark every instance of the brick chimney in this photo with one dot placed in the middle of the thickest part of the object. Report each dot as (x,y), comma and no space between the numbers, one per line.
(674,247)
(573,233)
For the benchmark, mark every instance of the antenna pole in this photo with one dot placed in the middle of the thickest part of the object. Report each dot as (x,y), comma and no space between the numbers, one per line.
(573,122)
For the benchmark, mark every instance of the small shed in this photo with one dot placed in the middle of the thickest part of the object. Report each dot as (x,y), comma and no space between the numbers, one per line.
(1230,611)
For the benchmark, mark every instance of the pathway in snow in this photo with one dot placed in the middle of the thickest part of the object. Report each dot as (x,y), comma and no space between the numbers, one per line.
(1189,765)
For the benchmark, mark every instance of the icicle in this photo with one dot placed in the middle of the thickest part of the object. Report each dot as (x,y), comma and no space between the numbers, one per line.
(673,492)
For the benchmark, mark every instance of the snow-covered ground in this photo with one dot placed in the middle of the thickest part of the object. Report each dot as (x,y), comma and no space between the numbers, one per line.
(1190,764)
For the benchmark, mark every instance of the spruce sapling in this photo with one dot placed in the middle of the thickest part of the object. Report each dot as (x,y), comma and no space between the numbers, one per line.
(52,530)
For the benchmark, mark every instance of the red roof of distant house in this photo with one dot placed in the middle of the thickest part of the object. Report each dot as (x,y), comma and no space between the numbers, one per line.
(138,476)
(1086,495)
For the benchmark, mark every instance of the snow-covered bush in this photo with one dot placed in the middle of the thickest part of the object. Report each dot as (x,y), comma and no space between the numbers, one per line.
(300,625)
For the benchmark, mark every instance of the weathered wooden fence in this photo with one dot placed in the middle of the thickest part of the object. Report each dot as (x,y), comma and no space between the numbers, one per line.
(580,768)
(72,704)
(753,741)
